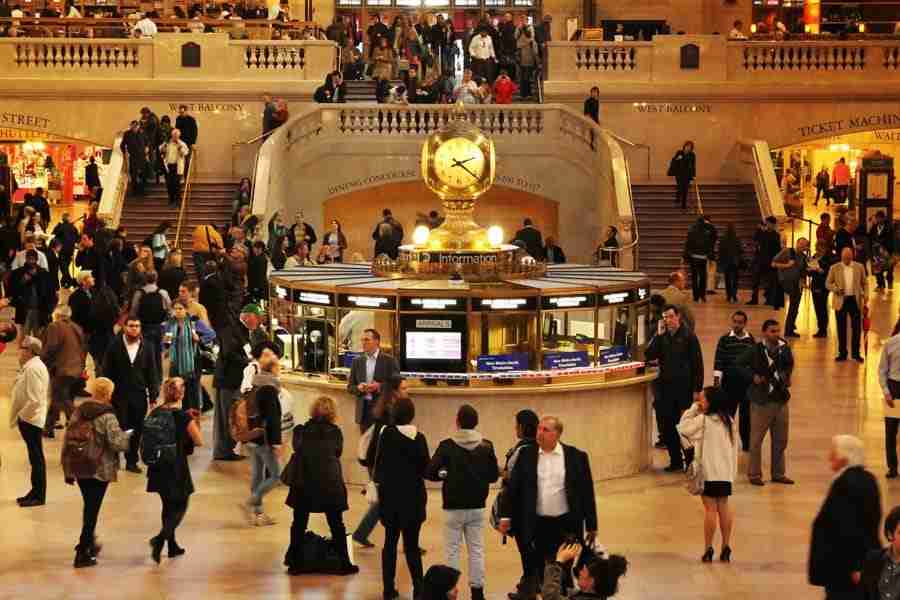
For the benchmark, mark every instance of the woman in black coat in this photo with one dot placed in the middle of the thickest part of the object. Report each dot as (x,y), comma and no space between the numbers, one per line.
(318,484)
(398,457)
(683,168)
(172,481)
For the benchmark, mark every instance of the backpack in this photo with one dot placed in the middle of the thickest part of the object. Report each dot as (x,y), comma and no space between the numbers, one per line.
(151,310)
(244,418)
(159,442)
(82,451)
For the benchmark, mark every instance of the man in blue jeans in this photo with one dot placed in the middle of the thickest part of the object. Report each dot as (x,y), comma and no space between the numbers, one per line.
(265,450)
(467,465)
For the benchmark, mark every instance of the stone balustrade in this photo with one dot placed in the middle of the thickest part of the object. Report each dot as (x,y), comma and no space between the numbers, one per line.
(211,57)
(721,60)
(422,120)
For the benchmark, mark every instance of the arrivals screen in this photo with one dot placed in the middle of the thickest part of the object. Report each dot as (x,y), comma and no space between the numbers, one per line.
(434,345)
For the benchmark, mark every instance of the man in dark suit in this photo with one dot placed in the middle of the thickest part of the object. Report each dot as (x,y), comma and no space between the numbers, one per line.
(680,379)
(130,364)
(368,373)
(548,498)
(846,528)
(532,239)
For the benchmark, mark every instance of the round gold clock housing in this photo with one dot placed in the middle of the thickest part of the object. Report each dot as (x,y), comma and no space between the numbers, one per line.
(458,163)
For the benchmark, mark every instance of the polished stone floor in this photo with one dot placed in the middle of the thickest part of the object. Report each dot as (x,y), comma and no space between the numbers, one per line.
(649,518)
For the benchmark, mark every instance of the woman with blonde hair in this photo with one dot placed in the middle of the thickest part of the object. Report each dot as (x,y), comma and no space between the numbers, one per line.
(94,420)
(317,485)
(170,477)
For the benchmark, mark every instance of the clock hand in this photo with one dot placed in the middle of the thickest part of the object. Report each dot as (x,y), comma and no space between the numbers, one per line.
(460,162)
(466,169)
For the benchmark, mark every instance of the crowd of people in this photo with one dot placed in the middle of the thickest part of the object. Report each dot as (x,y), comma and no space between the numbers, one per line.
(498,56)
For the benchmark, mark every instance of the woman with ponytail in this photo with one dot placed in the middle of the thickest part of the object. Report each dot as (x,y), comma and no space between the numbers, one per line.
(708,425)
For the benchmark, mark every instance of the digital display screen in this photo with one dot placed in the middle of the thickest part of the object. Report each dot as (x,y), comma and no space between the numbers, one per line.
(434,345)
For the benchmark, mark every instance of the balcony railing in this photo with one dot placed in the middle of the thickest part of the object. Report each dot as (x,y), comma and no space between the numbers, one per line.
(807,61)
(158,58)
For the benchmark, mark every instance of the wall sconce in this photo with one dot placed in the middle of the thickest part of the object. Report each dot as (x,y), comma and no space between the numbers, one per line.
(753,28)
(807,29)
(862,27)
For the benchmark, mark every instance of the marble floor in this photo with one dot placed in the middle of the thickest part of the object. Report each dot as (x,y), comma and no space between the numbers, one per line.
(649,518)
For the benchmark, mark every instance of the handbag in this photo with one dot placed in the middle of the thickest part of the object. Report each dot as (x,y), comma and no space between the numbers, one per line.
(372,486)
(696,479)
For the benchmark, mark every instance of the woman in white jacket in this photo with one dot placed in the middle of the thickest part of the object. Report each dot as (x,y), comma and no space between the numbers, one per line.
(708,427)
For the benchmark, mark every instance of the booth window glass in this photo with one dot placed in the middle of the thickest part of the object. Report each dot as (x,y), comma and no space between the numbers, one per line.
(313,338)
(568,331)
(508,334)
(351,325)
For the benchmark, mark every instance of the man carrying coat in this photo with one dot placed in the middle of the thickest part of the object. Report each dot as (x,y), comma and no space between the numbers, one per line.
(846,528)
(549,498)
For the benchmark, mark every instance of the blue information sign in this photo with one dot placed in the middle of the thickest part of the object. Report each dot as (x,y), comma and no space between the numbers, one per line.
(347,358)
(565,360)
(501,363)
(614,355)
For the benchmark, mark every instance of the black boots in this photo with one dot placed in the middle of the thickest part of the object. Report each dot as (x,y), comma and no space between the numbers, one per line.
(477,593)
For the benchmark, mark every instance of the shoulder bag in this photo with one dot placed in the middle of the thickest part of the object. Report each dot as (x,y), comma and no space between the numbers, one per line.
(372,486)
(695,476)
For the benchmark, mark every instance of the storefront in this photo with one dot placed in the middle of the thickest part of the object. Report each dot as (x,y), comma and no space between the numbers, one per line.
(56,165)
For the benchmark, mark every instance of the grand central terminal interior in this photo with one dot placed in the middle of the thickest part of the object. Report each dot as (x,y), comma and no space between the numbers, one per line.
(324,267)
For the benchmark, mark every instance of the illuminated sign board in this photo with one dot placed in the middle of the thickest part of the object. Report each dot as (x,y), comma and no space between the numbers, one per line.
(313,297)
(505,304)
(357,301)
(558,302)
(615,298)
(280,292)
(433,304)
(434,324)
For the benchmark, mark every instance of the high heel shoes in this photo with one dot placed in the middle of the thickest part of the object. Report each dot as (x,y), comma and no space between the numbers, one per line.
(725,556)
(708,555)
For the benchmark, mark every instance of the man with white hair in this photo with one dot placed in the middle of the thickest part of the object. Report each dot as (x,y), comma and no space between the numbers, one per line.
(145,27)
(29,413)
(64,352)
(846,528)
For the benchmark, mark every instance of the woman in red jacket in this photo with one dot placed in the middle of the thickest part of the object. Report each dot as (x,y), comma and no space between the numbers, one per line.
(504,88)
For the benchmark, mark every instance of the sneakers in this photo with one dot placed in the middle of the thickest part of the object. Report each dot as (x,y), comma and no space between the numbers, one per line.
(247,512)
(263,520)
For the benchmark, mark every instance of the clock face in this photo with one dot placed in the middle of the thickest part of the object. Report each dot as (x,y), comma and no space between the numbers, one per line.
(458,163)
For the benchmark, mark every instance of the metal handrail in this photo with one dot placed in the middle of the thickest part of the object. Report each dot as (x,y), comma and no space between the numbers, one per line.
(261,136)
(184,196)
(628,142)
(699,198)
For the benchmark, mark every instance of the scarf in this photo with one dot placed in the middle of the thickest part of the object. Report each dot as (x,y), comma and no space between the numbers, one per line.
(183,349)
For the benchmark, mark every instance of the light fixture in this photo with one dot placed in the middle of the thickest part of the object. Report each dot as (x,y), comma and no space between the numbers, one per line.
(495,235)
(862,27)
(753,28)
(420,235)
(807,29)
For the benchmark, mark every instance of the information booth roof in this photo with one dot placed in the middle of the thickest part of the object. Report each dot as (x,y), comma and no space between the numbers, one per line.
(560,279)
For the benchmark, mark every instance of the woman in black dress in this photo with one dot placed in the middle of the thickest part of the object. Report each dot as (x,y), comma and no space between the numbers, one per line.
(398,456)
(172,479)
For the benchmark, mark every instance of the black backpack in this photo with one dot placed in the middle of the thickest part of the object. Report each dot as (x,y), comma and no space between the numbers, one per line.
(319,555)
(159,440)
(151,310)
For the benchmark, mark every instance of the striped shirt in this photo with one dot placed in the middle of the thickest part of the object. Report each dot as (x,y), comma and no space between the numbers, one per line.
(729,348)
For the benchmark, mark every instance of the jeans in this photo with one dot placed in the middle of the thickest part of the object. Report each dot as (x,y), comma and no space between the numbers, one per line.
(774,418)
(92,492)
(849,308)
(891,426)
(223,444)
(62,389)
(698,278)
(264,472)
(731,282)
(820,303)
(33,441)
(173,184)
(795,295)
(367,524)
(681,194)
(173,511)
(413,557)
(153,339)
(294,557)
(468,524)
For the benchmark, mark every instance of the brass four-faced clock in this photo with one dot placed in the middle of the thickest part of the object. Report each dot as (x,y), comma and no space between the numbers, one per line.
(458,163)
